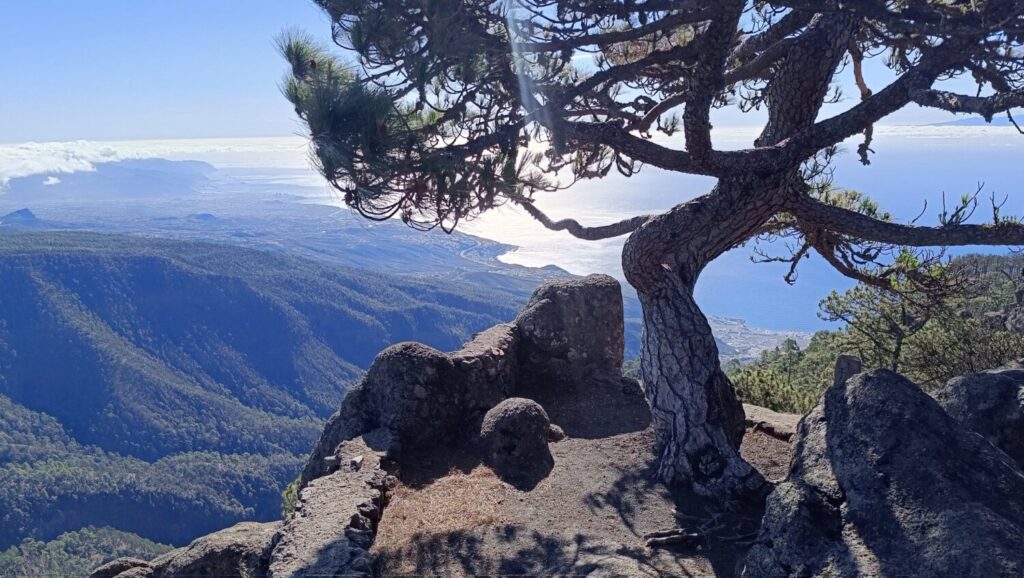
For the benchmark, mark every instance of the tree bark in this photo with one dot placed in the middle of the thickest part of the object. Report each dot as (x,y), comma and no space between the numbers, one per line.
(699,420)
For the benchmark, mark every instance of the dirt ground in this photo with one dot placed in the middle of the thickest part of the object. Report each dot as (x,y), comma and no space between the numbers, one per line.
(452,516)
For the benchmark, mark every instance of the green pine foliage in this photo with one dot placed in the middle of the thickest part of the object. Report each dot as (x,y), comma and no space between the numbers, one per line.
(787,378)
(74,553)
(290,498)
(964,334)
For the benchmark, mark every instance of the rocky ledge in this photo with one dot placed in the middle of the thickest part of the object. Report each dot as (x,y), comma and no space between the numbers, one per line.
(885,480)
(412,396)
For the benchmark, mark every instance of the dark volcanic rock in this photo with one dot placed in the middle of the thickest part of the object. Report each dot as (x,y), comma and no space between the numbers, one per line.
(556,433)
(422,395)
(241,551)
(885,483)
(572,328)
(119,566)
(515,436)
(846,367)
(569,332)
(412,390)
(992,404)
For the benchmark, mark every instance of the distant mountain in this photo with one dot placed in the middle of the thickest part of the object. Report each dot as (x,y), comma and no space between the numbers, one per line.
(975,121)
(25,220)
(21,217)
(182,376)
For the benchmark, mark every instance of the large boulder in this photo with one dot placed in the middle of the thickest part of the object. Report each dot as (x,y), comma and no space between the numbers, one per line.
(572,328)
(569,331)
(241,551)
(412,390)
(992,404)
(422,395)
(886,483)
(515,436)
(778,425)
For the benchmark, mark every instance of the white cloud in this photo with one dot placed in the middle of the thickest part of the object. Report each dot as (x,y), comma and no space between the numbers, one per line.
(50,181)
(32,158)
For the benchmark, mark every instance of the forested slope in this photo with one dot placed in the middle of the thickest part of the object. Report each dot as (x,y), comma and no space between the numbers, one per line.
(182,381)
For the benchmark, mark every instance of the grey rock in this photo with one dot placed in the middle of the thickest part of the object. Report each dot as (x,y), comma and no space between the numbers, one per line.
(335,520)
(569,331)
(241,551)
(556,433)
(489,368)
(422,395)
(413,390)
(515,437)
(572,328)
(885,483)
(847,366)
(348,422)
(161,562)
(116,567)
(778,425)
(138,572)
(992,404)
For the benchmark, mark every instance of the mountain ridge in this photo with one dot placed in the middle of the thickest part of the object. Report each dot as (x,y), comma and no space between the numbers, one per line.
(183,380)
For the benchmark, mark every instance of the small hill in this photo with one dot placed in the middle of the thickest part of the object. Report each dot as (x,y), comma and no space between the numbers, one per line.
(21,217)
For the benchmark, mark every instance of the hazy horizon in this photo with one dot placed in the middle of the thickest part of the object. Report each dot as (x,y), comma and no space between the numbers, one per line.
(912,165)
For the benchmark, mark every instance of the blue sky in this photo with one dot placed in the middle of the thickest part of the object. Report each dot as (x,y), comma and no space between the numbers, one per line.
(155,69)
(133,69)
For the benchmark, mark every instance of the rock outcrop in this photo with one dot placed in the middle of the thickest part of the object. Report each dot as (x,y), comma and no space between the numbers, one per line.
(846,367)
(515,436)
(335,520)
(414,396)
(568,330)
(572,328)
(778,425)
(886,483)
(121,566)
(992,404)
(241,551)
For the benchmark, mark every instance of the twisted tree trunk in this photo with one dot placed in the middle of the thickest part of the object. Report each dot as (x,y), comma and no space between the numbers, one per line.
(699,420)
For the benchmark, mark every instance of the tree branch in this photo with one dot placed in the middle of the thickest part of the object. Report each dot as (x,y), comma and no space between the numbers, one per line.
(854,224)
(573,227)
(757,43)
(637,148)
(986,106)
